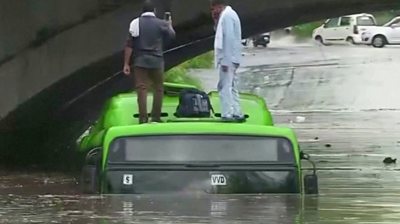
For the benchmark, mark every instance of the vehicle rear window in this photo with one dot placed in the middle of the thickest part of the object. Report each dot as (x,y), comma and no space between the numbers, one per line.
(201,148)
(365,21)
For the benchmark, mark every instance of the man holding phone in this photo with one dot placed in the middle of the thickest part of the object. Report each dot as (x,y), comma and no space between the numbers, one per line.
(147,35)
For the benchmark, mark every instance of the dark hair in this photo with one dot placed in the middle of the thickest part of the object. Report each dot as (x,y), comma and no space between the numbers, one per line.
(148,6)
(218,2)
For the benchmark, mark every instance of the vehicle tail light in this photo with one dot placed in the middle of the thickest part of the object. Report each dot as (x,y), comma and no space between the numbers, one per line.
(355,29)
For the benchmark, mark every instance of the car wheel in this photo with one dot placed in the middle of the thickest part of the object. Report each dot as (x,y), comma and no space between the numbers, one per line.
(379,41)
(350,40)
(319,40)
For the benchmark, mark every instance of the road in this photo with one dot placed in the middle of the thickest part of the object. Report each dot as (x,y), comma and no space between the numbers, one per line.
(306,76)
(344,105)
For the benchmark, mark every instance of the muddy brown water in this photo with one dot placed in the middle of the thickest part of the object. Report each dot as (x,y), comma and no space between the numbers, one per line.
(355,185)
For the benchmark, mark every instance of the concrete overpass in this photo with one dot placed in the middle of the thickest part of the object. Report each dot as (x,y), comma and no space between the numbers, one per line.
(60,60)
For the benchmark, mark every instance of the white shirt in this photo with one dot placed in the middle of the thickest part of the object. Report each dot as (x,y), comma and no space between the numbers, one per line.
(228,38)
(134,26)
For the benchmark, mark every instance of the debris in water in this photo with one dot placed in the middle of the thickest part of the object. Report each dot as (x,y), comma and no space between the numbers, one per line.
(328,145)
(306,140)
(316,138)
(266,79)
(300,119)
(257,90)
(389,160)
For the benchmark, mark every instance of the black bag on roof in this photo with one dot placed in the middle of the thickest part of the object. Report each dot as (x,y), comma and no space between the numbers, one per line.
(194,103)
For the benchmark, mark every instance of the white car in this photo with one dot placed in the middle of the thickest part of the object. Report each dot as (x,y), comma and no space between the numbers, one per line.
(344,29)
(383,35)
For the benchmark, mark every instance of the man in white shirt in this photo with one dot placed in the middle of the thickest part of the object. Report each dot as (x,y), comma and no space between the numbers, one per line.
(228,55)
(146,41)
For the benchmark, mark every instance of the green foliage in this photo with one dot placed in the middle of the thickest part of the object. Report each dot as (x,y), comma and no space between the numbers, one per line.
(202,61)
(383,17)
(181,73)
(305,30)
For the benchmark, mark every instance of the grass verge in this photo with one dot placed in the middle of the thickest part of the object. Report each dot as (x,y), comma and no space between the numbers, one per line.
(181,73)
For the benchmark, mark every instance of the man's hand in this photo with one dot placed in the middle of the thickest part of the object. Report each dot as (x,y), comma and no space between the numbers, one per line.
(127,69)
(224,68)
(169,31)
(127,57)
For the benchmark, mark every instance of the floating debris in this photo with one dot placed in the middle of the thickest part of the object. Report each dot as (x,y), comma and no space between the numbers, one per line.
(389,160)
(328,145)
(266,79)
(300,119)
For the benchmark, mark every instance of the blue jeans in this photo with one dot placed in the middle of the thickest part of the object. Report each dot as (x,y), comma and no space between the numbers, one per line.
(228,92)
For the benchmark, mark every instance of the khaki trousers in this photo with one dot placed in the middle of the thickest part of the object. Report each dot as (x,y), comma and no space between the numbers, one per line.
(142,78)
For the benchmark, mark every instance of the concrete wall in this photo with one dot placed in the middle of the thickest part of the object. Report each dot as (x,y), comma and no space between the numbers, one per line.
(24,21)
(37,68)
(34,69)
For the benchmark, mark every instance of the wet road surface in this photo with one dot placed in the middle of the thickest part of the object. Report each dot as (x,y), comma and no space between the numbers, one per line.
(342,101)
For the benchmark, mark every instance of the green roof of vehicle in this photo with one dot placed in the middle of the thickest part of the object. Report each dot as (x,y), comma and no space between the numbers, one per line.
(117,121)
(121,111)
(198,128)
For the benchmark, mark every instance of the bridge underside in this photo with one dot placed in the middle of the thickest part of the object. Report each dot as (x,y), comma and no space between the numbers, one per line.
(42,130)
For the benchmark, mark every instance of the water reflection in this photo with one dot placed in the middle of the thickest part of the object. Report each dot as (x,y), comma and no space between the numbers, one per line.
(156,208)
(217,209)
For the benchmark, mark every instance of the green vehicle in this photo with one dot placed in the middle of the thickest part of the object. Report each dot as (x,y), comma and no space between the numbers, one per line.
(191,155)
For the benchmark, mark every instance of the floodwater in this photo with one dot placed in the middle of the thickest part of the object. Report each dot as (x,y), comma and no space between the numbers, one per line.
(341,100)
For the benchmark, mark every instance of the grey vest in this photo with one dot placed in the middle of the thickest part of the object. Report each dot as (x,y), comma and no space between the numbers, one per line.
(148,46)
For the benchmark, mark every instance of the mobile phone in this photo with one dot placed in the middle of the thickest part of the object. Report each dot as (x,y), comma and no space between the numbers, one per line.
(167,16)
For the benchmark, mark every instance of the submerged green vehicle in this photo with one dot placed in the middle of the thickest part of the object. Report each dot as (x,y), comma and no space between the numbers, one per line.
(188,155)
